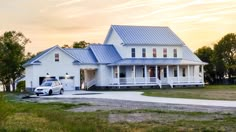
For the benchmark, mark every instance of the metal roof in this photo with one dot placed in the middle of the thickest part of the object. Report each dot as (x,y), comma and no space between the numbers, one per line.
(82,55)
(105,53)
(152,35)
(156,61)
(189,55)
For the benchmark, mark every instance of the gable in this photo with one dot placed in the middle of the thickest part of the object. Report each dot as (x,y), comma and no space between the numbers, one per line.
(112,37)
(38,58)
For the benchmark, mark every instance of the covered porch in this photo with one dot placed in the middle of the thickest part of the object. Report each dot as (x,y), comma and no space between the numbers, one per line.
(156,75)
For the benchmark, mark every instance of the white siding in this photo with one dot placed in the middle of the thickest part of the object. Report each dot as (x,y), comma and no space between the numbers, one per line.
(125,51)
(103,75)
(57,69)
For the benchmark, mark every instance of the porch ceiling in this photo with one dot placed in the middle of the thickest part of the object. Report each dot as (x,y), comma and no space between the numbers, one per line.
(156,61)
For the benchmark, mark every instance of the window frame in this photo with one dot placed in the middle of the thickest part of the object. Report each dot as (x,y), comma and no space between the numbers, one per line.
(165,52)
(184,72)
(154,52)
(175,53)
(144,52)
(165,72)
(175,72)
(56,57)
(133,52)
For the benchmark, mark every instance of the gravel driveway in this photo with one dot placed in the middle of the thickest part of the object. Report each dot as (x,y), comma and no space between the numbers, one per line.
(111,104)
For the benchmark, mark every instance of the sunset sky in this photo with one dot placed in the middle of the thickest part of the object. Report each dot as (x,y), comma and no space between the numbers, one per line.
(57,22)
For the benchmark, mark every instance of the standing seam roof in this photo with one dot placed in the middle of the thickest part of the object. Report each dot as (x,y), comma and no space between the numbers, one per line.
(82,55)
(105,53)
(147,35)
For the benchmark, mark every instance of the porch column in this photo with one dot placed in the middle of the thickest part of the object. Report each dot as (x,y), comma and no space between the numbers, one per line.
(118,74)
(202,73)
(156,73)
(145,73)
(178,73)
(188,74)
(134,70)
(112,74)
(167,72)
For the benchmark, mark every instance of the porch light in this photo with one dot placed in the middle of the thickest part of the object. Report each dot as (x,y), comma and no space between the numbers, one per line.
(66,76)
(47,75)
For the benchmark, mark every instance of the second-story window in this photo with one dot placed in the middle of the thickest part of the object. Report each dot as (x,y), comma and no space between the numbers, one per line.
(133,52)
(154,52)
(175,53)
(165,52)
(143,52)
(56,57)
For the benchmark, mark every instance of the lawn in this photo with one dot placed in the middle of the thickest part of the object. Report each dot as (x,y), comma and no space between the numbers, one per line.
(28,116)
(214,92)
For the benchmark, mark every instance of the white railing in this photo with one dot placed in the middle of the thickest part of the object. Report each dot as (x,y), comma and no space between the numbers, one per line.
(90,83)
(136,80)
(192,79)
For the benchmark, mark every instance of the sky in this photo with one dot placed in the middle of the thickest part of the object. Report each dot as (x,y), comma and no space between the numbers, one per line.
(57,22)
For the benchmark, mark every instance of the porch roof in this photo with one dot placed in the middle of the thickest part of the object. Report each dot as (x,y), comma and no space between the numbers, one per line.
(156,61)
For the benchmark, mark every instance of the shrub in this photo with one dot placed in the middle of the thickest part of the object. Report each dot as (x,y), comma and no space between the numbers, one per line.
(20,87)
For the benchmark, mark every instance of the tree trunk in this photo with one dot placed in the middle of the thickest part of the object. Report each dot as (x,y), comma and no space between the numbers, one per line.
(13,85)
(8,88)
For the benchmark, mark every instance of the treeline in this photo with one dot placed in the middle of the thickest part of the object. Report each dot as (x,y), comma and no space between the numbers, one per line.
(221,60)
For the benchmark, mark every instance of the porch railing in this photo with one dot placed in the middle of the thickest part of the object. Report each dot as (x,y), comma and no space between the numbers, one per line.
(137,80)
(90,83)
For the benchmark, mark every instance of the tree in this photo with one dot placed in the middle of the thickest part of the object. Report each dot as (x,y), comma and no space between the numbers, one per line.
(12,47)
(65,46)
(225,55)
(80,44)
(206,54)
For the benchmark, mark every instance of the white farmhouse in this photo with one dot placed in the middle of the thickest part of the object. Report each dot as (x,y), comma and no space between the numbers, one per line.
(131,56)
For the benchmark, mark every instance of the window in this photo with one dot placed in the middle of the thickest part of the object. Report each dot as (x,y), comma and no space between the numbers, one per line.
(56,57)
(132,52)
(144,52)
(165,72)
(175,52)
(165,52)
(183,72)
(200,68)
(175,72)
(154,52)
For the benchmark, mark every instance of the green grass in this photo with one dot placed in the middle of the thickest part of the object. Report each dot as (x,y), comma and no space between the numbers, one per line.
(26,116)
(214,92)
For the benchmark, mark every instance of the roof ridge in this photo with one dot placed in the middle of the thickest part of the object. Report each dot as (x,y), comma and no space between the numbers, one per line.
(141,26)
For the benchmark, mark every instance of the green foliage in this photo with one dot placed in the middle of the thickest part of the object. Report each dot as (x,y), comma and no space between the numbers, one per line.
(225,55)
(5,109)
(26,116)
(20,87)
(80,44)
(212,92)
(12,47)
(206,54)
(221,60)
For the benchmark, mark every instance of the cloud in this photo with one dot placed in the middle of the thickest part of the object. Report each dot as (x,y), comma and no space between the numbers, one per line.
(67,3)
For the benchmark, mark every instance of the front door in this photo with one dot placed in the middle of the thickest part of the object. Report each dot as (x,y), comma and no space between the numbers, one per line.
(152,73)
